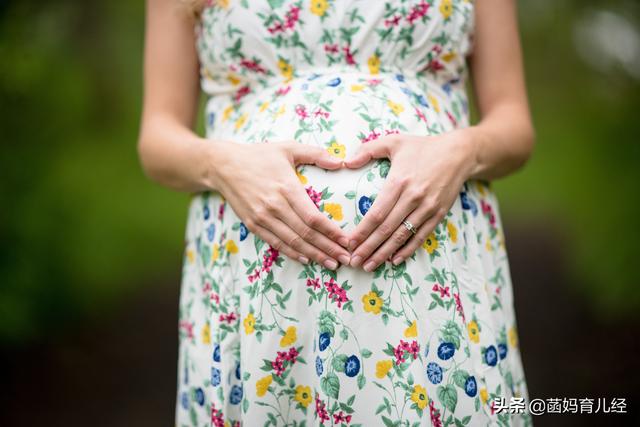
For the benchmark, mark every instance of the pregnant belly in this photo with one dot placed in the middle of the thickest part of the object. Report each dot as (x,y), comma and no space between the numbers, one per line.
(339,111)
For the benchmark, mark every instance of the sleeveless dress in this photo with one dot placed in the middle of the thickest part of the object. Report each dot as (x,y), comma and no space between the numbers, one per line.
(265,340)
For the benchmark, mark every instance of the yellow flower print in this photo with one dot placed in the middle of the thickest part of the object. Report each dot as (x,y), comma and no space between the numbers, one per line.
(262,385)
(474,331)
(233,79)
(446,8)
(395,107)
(374,64)
(383,367)
(290,336)
(419,396)
(285,69)
(481,188)
(337,150)
(280,112)
(372,303)
(489,246)
(249,324)
(231,247)
(191,257)
(319,7)
(431,243)
(484,395)
(206,334)
(356,88)
(335,210)
(453,231)
(434,102)
(216,252)
(227,113)
(302,178)
(449,56)
(240,121)
(264,106)
(223,3)
(303,395)
(411,331)
(513,337)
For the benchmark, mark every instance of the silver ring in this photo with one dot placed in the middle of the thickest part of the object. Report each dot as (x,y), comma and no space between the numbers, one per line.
(409,226)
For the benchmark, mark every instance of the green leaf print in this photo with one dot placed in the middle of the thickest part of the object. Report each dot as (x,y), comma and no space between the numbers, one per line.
(448,396)
(330,385)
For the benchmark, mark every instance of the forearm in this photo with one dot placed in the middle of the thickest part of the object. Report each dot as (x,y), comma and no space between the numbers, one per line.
(501,142)
(172,155)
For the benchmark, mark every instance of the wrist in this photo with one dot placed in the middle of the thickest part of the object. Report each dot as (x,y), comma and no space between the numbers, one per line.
(215,158)
(468,143)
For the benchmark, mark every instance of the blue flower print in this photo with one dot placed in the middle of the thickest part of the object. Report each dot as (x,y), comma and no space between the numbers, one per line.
(400,77)
(406,91)
(502,350)
(352,366)
(434,372)
(471,386)
(206,212)
(238,371)
(185,400)
(364,204)
(446,350)
(199,396)
(216,353)
(422,100)
(491,356)
(334,82)
(468,204)
(319,368)
(235,396)
(211,232)
(324,341)
(215,377)
(305,86)
(210,118)
(244,231)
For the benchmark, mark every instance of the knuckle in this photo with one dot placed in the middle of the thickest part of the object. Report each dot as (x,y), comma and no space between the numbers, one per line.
(400,237)
(384,230)
(307,234)
(314,220)
(260,216)
(295,242)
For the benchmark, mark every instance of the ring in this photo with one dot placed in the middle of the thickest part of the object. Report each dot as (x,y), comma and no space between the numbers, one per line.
(409,226)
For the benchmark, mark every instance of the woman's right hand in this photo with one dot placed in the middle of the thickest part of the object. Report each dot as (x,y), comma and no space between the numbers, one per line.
(260,183)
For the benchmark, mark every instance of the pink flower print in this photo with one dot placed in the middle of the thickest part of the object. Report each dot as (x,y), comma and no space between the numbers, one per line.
(252,66)
(418,11)
(459,308)
(341,417)
(392,22)
(321,410)
(435,414)
(337,294)
(217,417)
(405,347)
(301,111)
(229,318)
(313,283)
(444,290)
(283,90)
(348,55)
(188,327)
(316,196)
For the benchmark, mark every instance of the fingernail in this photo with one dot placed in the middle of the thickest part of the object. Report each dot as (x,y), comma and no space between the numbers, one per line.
(397,260)
(303,259)
(369,266)
(343,242)
(344,259)
(331,264)
(356,260)
(352,245)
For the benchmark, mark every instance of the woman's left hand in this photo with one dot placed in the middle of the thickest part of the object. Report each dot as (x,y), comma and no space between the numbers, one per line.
(425,178)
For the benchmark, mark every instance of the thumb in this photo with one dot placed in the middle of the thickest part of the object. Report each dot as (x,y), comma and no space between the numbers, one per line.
(309,155)
(376,149)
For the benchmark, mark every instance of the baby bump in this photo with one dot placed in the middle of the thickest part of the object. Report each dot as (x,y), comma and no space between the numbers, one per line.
(338,112)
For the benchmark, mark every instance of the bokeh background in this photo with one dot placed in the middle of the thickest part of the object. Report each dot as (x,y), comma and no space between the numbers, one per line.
(91,251)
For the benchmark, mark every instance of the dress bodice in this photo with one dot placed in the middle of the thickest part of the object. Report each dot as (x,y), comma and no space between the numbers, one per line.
(247,44)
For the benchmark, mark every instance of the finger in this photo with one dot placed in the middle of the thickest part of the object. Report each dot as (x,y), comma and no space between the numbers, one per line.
(277,244)
(416,241)
(400,210)
(304,207)
(398,239)
(378,149)
(309,155)
(381,207)
(285,234)
(314,237)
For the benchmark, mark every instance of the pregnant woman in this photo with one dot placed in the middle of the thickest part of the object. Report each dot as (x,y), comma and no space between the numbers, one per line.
(344,257)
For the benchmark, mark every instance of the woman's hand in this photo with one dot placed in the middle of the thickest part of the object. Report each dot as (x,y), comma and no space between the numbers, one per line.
(425,178)
(260,183)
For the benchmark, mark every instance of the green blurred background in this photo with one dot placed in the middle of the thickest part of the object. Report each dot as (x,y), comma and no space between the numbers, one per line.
(88,243)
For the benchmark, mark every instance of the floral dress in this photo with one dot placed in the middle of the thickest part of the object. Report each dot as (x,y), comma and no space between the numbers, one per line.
(266,340)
